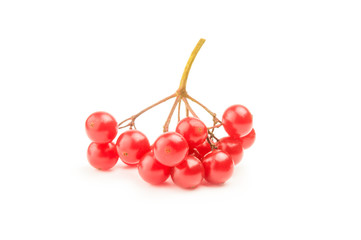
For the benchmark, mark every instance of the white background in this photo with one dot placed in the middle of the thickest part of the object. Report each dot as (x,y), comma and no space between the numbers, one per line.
(294,64)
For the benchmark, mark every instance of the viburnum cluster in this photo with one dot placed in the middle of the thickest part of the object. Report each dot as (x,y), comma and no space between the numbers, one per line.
(189,154)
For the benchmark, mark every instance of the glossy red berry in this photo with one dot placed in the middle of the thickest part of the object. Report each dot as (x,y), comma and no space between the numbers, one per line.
(232,146)
(189,173)
(203,149)
(193,130)
(237,121)
(248,140)
(131,146)
(218,166)
(170,148)
(151,170)
(101,127)
(102,156)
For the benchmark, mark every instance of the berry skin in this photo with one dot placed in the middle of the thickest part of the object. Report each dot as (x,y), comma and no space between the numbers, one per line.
(189,173)
(151,170)
(248,140)
(170,149)
(102,156)
(232,146)
(218,167)
(237,121)
(203,149)
(193,130)
(131,146)
(101,127)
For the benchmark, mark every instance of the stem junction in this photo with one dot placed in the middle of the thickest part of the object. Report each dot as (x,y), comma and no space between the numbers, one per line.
(180,95)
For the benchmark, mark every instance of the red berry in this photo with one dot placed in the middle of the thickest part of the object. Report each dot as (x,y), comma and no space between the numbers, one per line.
(131,146)
(189,173)
(203,149)
(151,170)
(232,146)
(237,121)
(248,140)
(193,130)
(218,166)
(101,127)
(102,156)
(170,148)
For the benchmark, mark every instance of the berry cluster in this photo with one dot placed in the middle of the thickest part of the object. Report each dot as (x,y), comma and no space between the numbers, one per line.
(189,155)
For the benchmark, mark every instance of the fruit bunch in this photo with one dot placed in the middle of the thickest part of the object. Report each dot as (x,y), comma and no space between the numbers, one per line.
(189,154)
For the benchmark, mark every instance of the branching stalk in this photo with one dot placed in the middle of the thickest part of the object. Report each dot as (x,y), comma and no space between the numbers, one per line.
(180,95)
(189,107)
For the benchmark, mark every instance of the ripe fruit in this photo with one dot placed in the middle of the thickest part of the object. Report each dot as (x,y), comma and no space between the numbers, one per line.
(232,146)
(189,154)
(218,166)
(151,170)
(203,149)
(170,148)
(101,127)
(248,140)
(131,146)
(189,173)
(102,156)
(237,121)
(193,130)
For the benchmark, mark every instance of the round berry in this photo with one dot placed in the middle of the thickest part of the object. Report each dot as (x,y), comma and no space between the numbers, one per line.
(131,146)
(101,127)
(193,130)
(151,170)
(237,121)
(170,148)
(232,146)
(189,173)
(203,149)
(102,156)
(248,140)
(218,167)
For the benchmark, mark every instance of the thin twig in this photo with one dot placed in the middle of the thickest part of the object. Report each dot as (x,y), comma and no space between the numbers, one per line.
(205,108)
(128,125)
(212,135)
(179,108)
(210,142)
(189,107)
(132,118)
(215,126)
(166,125)
(121,123)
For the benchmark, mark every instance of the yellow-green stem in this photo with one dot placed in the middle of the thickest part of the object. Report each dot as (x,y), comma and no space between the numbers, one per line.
(183,82)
